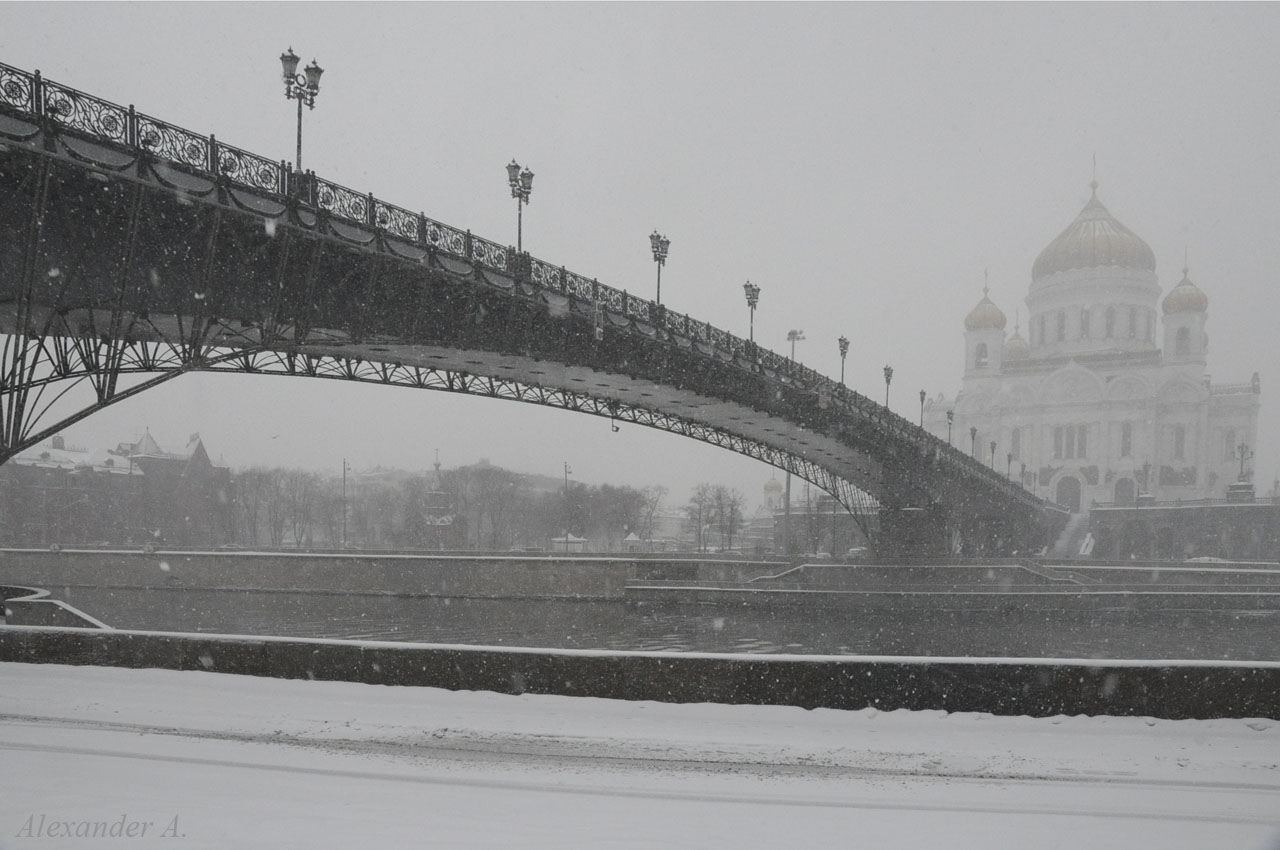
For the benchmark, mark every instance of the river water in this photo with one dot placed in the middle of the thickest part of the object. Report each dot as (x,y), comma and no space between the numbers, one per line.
(1188,631)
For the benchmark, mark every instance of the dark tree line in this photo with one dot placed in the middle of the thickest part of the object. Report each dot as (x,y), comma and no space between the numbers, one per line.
(478,507)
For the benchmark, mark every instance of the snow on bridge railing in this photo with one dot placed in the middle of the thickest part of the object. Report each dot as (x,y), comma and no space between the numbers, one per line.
(106,122)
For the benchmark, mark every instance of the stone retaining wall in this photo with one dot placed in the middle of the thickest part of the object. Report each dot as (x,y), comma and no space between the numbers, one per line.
(1174,690)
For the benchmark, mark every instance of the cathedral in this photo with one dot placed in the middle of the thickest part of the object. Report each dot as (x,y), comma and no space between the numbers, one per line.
(1106,399)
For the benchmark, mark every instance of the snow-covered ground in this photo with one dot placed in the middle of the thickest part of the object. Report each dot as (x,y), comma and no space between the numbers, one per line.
(219,761)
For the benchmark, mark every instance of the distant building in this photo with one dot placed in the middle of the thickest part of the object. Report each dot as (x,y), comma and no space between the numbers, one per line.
(1107,396)
(136,493)
(818,524)
(1107,403)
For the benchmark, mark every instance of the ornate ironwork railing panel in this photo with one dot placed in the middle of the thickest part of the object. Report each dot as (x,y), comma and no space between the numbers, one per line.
(451,240)
(638,308)
(579,286)
(489,254)
(610,297)
(249,169)
(396,220)
(17,89)
(167,141)
(83,112)
(342,202)
(546,275)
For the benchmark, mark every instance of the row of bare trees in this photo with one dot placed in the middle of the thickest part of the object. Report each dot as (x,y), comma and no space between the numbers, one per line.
(479,507)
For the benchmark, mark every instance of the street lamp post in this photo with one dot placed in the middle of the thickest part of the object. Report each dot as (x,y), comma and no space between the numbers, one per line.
(951,417)
(888,378)
(521,183)
(659,243)
(793,337)
(567,470)
(993,454)
(300,87)
(922,408)
(973,441)
(753,298)
(843,342)
(1008,472)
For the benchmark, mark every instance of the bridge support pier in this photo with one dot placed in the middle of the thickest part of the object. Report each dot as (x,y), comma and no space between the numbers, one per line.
(913,532)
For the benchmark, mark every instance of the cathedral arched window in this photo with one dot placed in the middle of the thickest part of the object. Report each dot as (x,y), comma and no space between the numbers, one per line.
(1151,319)
(979,356)
(1062,326)
(1111,322)
(1041,328)
(1126,439)
(1133,323)
(1229,445)
(1084,323)
(1181,342)
(1179,442)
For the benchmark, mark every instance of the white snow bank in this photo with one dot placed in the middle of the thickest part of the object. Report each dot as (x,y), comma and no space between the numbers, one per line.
(254,762)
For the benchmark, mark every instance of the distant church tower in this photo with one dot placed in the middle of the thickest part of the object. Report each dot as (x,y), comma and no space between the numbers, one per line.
(772,495)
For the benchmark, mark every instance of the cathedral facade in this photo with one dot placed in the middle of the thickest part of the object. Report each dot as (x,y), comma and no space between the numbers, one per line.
(1106,399)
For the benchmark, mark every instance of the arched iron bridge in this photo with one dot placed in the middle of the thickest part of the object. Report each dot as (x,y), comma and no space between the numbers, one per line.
(132,246)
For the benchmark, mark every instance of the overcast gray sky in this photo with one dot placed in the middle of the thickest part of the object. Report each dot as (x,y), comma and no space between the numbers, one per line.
(862,163)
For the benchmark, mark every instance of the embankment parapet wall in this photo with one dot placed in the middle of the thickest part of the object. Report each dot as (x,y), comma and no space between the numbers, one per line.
(1038,688)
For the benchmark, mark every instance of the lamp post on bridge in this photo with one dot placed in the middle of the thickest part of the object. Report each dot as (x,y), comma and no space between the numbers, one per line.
(1008,472)
(888,378)
(793,337)
(1245,454)
(843,342)
(753,298)
(922,408)
(659,243)
(344,503)
(973,441)
(300,87)
(521,183)
(567,470)
(951,418)
(993,455)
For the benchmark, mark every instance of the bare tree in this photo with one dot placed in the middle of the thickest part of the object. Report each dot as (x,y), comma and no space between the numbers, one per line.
(727,505)
(699,512)
(251,488)
(652,497)
(300,491)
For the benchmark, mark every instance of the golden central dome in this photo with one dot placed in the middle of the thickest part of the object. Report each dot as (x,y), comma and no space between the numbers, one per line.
(1094,239)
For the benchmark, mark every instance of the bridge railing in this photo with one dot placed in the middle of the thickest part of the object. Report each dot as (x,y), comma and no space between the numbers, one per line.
(74,111)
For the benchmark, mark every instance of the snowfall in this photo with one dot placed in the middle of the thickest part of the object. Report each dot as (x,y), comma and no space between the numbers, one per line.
(95,757)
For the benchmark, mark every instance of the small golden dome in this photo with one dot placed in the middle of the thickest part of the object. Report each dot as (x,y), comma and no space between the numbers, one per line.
(986,316)
(1186,297)
(1016,348)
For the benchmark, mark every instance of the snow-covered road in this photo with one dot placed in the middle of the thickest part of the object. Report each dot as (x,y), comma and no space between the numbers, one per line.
(200,760)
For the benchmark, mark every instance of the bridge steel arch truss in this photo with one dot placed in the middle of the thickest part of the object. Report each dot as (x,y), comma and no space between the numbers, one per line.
(131,246)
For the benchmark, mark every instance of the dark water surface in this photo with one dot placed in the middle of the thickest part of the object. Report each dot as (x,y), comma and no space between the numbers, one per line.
(915,629)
